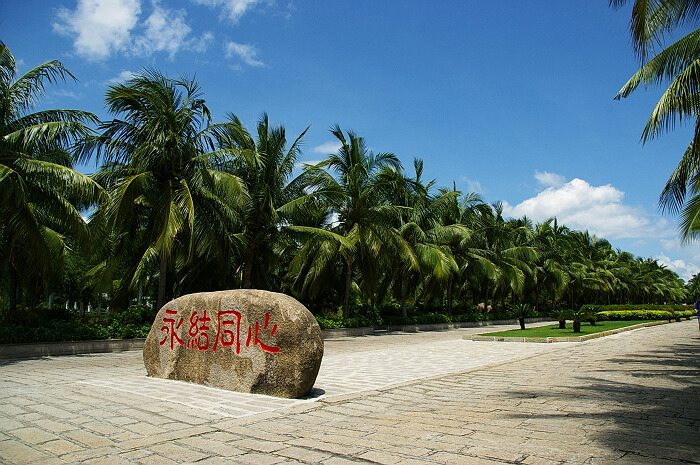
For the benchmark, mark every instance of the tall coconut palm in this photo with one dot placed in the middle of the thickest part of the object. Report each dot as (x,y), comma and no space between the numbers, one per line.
(677,64)
(425,237)
(550,268)
(466,211)
(362,226)
(505,244)
(265,166)
(40,194)
(166,192)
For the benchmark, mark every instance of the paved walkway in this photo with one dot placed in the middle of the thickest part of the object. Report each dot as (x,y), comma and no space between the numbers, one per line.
(631,398)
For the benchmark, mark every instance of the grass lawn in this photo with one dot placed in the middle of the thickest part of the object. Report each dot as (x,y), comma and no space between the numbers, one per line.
(554,331)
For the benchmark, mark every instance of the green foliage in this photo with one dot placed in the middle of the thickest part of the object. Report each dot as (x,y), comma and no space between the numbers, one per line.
(638,314)
(52,331)
(423,319)
(521,310)
(337,322)
(633,307)
(133,315)
(131,323)
(670,60)
(40,194)
(198,206)
(59,325)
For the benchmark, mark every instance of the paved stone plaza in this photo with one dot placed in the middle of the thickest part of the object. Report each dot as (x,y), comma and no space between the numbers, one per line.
(630,398)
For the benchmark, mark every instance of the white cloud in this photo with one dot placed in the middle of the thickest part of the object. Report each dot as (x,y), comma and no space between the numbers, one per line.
(598,209)
(105,27)
(65,93)
(473,186)
(682,268)
(100,27)
(167,31)
(231,9)
(245,52)
(690,251)
(328,147)
(550,179)
(122,77)
(334,220)
(602,211)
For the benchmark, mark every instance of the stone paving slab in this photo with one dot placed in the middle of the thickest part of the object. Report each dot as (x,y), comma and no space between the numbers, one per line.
(401,398)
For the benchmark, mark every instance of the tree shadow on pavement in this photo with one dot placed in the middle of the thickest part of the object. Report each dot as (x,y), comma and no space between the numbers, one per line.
(645,405)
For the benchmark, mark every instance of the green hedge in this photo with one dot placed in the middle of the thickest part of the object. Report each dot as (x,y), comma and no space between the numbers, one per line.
(633,307)
(644,314)
(132,323)
(336,322)
(51,331)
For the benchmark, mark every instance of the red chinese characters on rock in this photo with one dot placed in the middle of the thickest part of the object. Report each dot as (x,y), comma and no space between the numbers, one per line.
(199,336)
(227,337)
(170,328)
(257,342)
(228,332)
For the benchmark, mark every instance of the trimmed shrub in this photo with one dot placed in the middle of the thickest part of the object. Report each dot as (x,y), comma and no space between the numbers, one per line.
(422,319)
(338,322)
(632,307)
(132,323)
(52,331)
(616,315)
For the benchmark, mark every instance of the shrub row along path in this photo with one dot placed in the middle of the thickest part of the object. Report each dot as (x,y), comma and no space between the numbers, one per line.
(630,398)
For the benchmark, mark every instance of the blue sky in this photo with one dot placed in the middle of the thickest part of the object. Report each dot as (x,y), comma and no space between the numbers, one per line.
(511,99)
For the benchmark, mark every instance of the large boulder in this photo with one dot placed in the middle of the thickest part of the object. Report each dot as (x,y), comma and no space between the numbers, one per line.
(241,340)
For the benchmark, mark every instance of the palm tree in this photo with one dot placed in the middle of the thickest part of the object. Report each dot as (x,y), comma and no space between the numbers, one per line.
(167,197)
(426,240)
(505,246)
(362,223)
(521,311)
(265,167)
(693,288)
(550,268)
(679,65)
(586,278)
(471,259)
(41,196)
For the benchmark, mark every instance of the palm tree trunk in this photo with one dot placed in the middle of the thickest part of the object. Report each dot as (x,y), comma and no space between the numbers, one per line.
(554,299)
(571,301)
(162,281)
(170,282)
(404,289)
(13,288)
(450,283)
(348,285)
(248,270)
(486,293)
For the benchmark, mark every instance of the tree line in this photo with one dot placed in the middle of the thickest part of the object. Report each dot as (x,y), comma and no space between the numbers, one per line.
(183,204)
